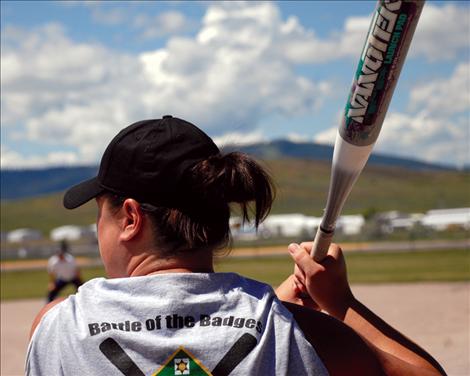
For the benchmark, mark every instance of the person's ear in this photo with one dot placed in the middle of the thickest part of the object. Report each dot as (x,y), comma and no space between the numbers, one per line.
(132,219)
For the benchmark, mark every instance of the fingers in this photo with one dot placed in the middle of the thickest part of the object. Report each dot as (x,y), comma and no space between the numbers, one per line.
(299,284)
(294,282)
(299,279)
(333,257)
(305,267)
(286,290)
(299,288)
(299,275)
(307,245)
(303,261)
(334,251)
(301,256)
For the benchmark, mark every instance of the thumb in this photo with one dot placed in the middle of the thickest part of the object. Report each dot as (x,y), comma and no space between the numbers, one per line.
(302,258)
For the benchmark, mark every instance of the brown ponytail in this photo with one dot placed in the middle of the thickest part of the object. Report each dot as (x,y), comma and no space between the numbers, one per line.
(201,218)
(235,178)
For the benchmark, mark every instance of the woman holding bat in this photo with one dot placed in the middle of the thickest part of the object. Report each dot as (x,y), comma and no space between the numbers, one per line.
(163,194)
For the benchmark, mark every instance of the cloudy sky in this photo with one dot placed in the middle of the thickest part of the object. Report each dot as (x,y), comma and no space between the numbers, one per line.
(74,73)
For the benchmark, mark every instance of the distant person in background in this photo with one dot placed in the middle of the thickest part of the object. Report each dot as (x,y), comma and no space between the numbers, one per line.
(62,269)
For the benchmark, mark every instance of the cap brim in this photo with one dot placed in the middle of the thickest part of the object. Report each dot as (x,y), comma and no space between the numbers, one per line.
(82,193)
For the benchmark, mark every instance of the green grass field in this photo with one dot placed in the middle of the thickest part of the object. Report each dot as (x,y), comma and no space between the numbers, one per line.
(425,266)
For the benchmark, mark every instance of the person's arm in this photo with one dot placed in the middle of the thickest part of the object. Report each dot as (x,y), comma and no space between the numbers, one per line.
(327,285)
(341,349)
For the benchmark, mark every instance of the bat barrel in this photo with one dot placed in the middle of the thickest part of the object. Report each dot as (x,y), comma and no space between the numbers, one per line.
(379,68)
(384,53)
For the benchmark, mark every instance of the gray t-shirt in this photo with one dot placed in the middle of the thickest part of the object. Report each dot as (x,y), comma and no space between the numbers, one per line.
(171,324)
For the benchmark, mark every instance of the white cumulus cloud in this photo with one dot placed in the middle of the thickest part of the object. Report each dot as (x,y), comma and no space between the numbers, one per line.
(56,91)
(13,159)
(442,32)
(238,138)
(425,136)
(445,96)
(232,74)
(238,69)
(163,24)
(60,92)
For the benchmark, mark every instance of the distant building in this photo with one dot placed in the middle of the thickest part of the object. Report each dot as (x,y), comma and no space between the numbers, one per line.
(406,222)
(290,225)
(23,234)
(443,219)
(350,224)
(438,220)
(391,221)
(72,233)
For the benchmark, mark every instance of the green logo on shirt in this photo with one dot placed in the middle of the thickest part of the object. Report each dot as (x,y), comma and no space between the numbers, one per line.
(182,362)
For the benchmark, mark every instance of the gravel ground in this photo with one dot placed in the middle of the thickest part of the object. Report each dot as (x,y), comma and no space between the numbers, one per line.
(435,315)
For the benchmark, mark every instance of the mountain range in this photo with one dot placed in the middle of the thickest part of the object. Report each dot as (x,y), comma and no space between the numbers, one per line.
(25,183)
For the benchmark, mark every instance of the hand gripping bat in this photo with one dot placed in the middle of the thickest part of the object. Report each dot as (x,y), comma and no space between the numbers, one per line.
(385,49)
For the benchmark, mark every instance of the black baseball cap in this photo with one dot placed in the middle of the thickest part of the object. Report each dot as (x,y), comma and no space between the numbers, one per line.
(147,161)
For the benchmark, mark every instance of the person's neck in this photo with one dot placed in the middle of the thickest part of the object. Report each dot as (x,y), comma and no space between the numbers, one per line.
(186,262)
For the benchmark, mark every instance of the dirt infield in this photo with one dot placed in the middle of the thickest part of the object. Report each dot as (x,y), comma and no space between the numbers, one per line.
(435,315)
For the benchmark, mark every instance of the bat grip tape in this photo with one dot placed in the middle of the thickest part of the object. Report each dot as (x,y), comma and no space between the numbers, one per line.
(321,244)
